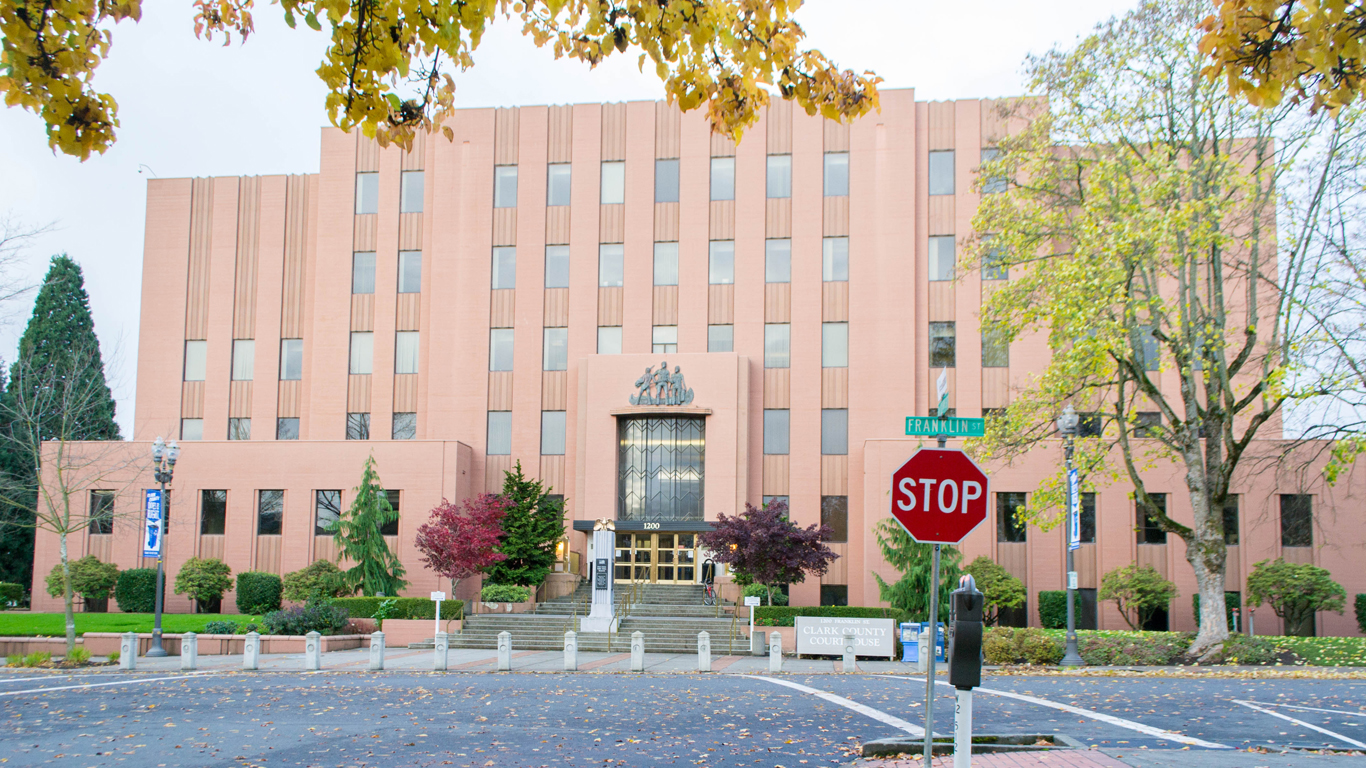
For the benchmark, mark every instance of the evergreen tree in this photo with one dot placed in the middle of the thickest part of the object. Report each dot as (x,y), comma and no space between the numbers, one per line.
(533,524)
(915,561)
(377,571)
(58,345)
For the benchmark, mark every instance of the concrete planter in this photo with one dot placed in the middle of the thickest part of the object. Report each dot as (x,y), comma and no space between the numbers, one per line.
(400,633)
(507,607)
(104,643)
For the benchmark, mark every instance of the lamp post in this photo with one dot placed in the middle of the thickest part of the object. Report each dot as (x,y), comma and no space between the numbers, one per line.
(163,465)
(1067,425)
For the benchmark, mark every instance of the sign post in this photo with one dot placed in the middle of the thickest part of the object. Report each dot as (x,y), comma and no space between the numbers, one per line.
(438,597)
(751,603)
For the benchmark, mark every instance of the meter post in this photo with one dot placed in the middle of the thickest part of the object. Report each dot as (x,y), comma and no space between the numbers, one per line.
(965,663)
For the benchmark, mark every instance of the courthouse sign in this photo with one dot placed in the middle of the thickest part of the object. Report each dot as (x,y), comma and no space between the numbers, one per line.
(817,635)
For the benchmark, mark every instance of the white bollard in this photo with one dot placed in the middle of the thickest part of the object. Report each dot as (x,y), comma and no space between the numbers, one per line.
(775,652)
(571,651)
(376,651)
(251,651)
(922,660)
(189,651)
(313,651)
(962,729)
(850,660)
(128,651)
(637,651)
(440,652)
(703,651)
(504,651)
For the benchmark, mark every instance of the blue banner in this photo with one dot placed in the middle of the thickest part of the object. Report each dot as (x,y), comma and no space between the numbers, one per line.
(151,529)
(1073,510)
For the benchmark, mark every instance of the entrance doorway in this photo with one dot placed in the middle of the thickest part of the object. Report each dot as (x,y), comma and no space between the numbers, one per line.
(657,558)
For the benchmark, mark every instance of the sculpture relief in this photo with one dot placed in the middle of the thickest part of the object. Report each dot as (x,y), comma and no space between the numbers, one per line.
(659,387)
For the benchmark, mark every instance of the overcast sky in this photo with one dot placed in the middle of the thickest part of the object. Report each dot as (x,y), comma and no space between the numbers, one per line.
(193,108)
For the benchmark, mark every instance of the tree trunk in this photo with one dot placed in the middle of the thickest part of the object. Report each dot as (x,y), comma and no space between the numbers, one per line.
(1207,559)
(68,599)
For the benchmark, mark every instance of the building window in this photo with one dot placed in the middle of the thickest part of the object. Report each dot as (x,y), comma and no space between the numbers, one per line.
(243,359)
(363,272)
(552,433)
(504,267)
(362,352)
(664,339)
(405,426)
(779,176)
(777,345)
(835,259)
(1010,524)
(767,500)
(995,349)
(720,338)
(1297,520)
(660,468)
(390,527)
(1147,423)
(557,266)
(992,185)
(611,265)
(505,186)
(410,271)
(270,512)
(500,349)
(1087,519)
(834,345)
(213,513)
(1087,615)
(1150,356)
(666,181)
(367,193)
(557,184)
(357,426)
(835,516)
(835,594)
(326,512)
(723,178)
(291,359)
(239,429)
(666,263)
(411,193)
(1231,520)
(941,172)
(836,174)
(405,351)
(196,360)
(778,260)
(613,183)
(1149,532)
(834,431)
(287,428)
(994,264)
(555,349)
(721,257)
(776,421)
(191,429)
(943,345)
(609,340)
(1089,425)
(101,512)
(941,258)
(500,433)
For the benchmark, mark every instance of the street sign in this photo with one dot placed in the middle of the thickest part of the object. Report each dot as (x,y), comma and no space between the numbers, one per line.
(1073,511)
(753,600)
(941,387)
(939,495)
(438,595)
(151,529)
(928,426)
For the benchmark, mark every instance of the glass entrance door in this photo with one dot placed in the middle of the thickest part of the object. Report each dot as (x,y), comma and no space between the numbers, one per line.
(656,558)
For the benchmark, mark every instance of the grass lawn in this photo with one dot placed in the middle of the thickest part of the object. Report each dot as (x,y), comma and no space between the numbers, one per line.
(54,624)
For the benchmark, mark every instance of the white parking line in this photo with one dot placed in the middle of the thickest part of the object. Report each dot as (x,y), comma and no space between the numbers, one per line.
(1308,709)
(31,678)
(1101,716)
(98,685)
(862,709)
(1310,726)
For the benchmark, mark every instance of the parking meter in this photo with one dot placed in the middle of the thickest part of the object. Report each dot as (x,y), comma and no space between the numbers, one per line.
(965,645)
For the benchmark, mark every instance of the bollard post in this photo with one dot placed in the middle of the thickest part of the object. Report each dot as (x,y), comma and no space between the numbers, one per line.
(703,651)
(313,652)
(962,729)
(850,660)
(637,651)
(189,651)
(571,651)
(376,651)
(128,651)
(440,652)
(251,651)
(775,652)
(505,651)
(922,662)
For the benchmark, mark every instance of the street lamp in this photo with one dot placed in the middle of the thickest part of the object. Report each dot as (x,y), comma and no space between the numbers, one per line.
(163,465)
(1067,425)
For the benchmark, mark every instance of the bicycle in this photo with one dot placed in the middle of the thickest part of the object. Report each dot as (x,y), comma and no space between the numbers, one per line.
(708,582)
(708,594)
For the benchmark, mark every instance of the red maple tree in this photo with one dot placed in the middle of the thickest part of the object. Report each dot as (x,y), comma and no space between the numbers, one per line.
(763,544)
(462,541)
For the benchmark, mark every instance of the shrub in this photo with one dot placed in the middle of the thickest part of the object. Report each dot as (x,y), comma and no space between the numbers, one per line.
(1038,647)
(505,593)
(302,619)
(1133,649)
(258,592)
(113,657)
(135,591)
(999,588)
(998,646)
(14,660)
(78,655)
(37,659)
(251,627)
(403,607)
(1012,645)
(204,579)
(11,595)
(1360,606)
(319,581)
(775,616)
(1053,609)
(759,590)
(220,628)
(1241,649)
(90,578)
(1137,592)
(1295,591)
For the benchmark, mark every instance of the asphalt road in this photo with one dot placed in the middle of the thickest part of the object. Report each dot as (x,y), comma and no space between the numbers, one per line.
(417,719)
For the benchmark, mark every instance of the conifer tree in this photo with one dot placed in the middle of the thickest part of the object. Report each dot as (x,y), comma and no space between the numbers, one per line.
(533,524)
(377,570)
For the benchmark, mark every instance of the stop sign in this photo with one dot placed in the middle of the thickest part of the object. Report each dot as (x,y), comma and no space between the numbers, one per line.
(939,495)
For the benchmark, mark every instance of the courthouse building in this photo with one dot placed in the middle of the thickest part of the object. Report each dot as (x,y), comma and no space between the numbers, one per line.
(660,324)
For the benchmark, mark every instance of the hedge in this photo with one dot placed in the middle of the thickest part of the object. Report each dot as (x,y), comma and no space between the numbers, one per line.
(1053,609)
(135,591)
(403,607)
(14,593)
(785,616)
(1360,606)
(258,592)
